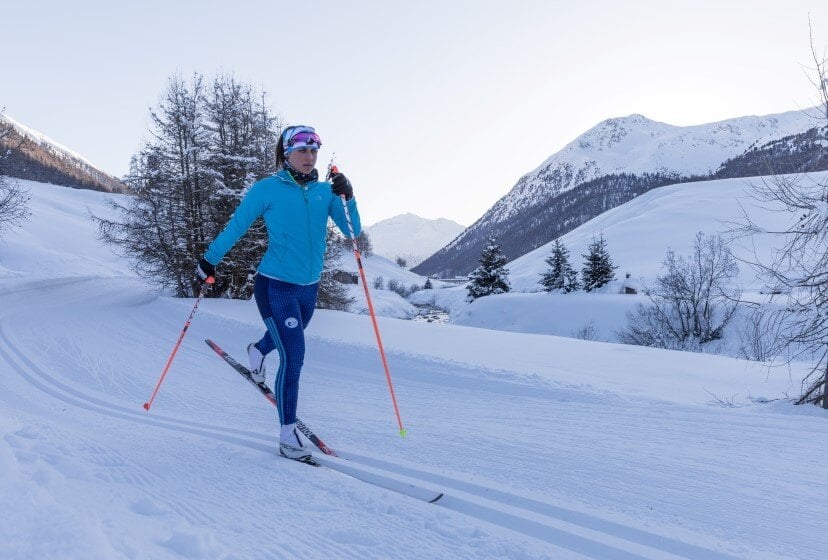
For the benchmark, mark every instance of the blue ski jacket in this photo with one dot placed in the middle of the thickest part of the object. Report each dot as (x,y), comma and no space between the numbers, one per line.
(296,217)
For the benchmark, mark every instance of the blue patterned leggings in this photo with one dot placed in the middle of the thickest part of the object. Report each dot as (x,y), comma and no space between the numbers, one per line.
(286,310)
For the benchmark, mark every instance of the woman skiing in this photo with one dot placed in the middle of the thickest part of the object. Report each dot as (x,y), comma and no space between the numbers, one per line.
(295,206)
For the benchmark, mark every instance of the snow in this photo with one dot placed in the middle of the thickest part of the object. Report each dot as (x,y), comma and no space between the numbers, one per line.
(545,446)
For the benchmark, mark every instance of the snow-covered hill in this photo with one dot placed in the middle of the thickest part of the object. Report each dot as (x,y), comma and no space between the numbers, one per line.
(544,447)
(411,237)
(639,232)
(638,235)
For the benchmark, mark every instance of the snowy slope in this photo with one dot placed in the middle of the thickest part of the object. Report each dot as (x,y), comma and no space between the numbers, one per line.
(411,237)
(627,458)
(638,235)
(640,232)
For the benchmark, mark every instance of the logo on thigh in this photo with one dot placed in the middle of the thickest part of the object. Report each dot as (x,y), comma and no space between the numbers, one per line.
(291,322)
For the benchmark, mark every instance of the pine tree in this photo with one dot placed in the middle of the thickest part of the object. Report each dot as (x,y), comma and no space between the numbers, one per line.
(332,294)
(491,277)
(560,276)
(598,269)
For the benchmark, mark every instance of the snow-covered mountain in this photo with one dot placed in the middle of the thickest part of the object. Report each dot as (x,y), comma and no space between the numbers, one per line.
(608,165)
(638,145)
(33,156)
(411,237)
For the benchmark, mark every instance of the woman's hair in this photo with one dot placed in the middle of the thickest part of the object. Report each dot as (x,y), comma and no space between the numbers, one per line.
(280,149)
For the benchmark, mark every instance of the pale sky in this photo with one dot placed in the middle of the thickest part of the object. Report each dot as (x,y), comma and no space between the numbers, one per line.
(434,107)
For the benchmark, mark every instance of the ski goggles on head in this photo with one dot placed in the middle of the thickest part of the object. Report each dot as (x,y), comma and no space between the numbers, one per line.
(297,137)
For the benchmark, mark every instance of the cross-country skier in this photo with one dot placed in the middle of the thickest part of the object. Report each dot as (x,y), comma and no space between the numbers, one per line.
(295,206)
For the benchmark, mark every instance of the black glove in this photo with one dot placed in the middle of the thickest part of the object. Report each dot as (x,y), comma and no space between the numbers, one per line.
(204,270)
(341,185)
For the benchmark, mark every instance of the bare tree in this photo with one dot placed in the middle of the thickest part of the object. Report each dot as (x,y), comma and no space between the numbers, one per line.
(208,146)
(757,339)
(691,303)
(164,228)
(14,200)
(364,244)
(798,265)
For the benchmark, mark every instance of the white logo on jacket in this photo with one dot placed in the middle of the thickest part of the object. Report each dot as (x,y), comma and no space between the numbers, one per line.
(291,322)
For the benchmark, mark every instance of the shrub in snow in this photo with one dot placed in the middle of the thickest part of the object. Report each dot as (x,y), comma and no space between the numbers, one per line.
(13,200)
(692,302)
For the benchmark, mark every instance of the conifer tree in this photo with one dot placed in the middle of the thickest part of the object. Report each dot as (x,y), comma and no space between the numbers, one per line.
(491,277)
(332,294)
(598,269)
(560,276)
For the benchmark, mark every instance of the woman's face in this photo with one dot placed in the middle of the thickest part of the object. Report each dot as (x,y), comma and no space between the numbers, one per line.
(303,160)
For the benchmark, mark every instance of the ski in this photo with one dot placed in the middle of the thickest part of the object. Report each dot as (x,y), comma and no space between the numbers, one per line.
(370,475)
(307,460)
(270,396)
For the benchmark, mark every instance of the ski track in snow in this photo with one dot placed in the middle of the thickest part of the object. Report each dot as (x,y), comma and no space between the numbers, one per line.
(558,526)
(500,517)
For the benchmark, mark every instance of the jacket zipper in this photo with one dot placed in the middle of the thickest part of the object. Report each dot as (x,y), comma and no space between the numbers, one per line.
(308,228)
(304,190)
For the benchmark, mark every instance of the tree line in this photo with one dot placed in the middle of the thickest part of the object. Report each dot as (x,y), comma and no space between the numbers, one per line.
(492,277)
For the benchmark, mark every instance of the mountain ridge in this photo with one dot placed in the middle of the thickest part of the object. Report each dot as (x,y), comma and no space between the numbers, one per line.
(31,155)
(411,237)
(636,151)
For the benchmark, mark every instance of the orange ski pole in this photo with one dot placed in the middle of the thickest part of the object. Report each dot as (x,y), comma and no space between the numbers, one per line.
(203,291)
(331,170)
